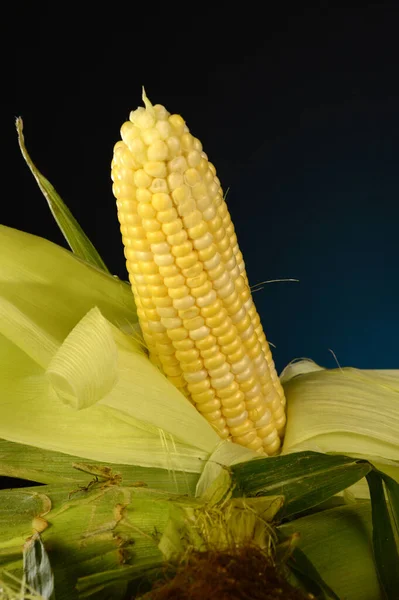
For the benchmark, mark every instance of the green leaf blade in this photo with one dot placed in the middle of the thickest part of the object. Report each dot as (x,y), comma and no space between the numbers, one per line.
(69,226)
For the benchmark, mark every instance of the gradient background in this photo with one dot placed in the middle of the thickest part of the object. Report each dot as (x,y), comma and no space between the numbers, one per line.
(297,108)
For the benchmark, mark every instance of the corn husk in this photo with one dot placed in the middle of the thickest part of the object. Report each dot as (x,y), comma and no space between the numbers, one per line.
(75,376)
(345,410)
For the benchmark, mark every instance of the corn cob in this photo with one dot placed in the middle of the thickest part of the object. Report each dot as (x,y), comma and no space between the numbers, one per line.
(189,281)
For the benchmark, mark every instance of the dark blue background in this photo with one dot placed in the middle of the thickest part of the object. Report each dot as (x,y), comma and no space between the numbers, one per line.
(298,109)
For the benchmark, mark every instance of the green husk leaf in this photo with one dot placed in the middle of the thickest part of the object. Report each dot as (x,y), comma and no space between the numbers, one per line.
(385,534)
(338,543)
(305,479)
(46,466)
(308,575)
(70,228)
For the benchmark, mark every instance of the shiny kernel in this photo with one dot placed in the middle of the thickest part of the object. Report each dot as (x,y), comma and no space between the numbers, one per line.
(142,118)
(199,232)
(173,227)
(199,387)
(217,271)
(220,371)
(217,319)
(187,355)
(185,262)
(164,129)
(146,211)
(163,302)
(158,151)
(155,237)
(214,362)
(173,371)
(151,225)
(193,219)
(208,342)
(163,260)
(193,270)
(167,350)
(201,291)
(175,180)
(161,201)
(192,177)
(272,448)
(193,157)
(168,271)
(239,365)
(200,333)
(192,367)
(196,377)
(167,216)
(194,323)
(234,411)
(244,427)
(206,396)
(155,168)
(177,165)
(179,292)
(207,298)
(227,338)
(158,290)
(174,282)
(184,303)
(182,249)
(177,334)
(142,179)
(223,329)
(194,282)
(234,422)
(214,416)
(183,344)
(141,245)
(162,248)
(166,312)
(178,382)
(149,136)
(175,239)
(246,439)
(173,144)
(207,253)
(186,208)
(204,242)
(178,124)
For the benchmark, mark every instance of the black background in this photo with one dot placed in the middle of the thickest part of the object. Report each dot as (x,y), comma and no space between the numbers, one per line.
(297,108)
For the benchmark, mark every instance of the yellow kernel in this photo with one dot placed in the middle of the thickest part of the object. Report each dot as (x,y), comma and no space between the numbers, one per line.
(142,118)
(193,219)
(142,179)
(193,323)
(164,129)
(150,135)
(199,387)
(192,177)
(177,334)
(207,298)
(244,427)
(215,361)
(187,141)
(168,271)
(196,377)
(207,253)
(175,281)
(181,194)
(184,303)
(192,367)
(246,439)
(198,280)
(173,144)
(219,383)
(159,185)
(175,239)
(179,292)
(190,313)
(167,216)
(166,312)
(182,249)
(220,371)
(183,344)
(177,165)
(162,260)
(177,381)
(158,290)
(161,201)
(206,396)
(234,411)
(239,419)
(155,168)
(158,151)
(175,180)
(155,237)
(201,291)
(187,355)
(193,157)
(172,227)
(200,333)
(146,211)
(178,124)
